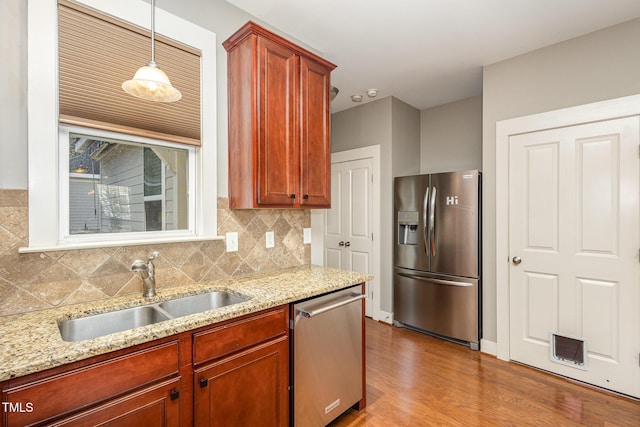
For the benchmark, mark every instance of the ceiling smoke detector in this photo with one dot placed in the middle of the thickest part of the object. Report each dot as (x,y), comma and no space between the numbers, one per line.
(372,93)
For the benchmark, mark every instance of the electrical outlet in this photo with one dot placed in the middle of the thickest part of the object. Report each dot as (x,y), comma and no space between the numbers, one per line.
(306,235)
(232,241)
(270,239)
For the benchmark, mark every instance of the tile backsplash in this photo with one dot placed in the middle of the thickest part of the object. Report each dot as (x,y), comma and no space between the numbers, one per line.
(50,279)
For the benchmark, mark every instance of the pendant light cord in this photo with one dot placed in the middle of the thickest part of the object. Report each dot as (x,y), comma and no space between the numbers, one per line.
(153,30)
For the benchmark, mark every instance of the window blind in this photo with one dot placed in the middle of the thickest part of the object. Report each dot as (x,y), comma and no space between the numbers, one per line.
(98,52)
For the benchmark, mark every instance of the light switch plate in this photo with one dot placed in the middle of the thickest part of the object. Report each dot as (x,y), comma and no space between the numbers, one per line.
(306,235)
(270,239)
(232,241)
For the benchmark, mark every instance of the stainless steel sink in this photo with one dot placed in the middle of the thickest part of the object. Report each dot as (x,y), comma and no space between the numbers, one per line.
(98,325)
(199,303)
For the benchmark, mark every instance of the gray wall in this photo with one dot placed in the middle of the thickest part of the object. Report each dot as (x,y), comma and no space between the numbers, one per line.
(13,94)
(395,126)
(451,136)
(215,15)
(597,66)
(405,136)
(361,126)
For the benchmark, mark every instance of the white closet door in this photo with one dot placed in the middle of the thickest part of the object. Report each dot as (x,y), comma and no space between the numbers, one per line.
(348,243)
(574,238)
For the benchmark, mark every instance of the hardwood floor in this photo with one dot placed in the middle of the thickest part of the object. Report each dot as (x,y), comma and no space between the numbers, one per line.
(418,380)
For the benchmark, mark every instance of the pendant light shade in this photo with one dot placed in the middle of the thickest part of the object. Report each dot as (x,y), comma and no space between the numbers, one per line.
(150,82)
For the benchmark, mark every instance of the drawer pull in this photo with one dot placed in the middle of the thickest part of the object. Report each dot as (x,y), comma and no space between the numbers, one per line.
(175,394)
(204,382)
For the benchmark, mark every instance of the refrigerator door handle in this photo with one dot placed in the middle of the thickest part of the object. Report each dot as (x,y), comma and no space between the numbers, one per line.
(432,221)
(425,210)
(436,281)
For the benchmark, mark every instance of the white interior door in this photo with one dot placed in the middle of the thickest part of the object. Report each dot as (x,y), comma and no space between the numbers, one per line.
(574,241)
(348,239)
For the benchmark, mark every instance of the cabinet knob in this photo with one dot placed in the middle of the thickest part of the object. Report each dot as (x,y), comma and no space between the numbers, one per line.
(347,244)
(341,244)
(306,196)
(293,196)
(204,382)
(175,394)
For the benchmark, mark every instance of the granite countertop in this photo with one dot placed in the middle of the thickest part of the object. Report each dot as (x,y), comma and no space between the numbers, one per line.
(31,342)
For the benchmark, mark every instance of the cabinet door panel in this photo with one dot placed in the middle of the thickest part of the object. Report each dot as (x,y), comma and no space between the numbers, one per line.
(248,389)
(315,149)
(277,165)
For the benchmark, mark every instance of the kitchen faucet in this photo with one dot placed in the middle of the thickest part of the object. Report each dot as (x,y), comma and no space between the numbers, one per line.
(147,272)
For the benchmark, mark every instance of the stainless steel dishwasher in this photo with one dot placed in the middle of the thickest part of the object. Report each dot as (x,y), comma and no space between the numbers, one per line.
(327,356)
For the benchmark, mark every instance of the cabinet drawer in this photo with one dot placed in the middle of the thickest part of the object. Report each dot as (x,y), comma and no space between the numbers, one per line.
(239,335)
(95,383)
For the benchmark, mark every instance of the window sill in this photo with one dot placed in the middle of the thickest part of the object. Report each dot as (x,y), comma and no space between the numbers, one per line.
(116,243)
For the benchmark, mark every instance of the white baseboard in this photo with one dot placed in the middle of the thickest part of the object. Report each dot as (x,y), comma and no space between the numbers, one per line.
(386,317)
(489,347)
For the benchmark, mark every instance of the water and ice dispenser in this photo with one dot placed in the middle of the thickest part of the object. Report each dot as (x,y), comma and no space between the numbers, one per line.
(408,228)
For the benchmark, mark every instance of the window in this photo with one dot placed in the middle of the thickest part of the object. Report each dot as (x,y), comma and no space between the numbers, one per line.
(74,201)
(120,184)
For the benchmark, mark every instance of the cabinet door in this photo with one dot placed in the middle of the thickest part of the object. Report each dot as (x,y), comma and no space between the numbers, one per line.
(315,149)
(155,406)
(276,152)
(248,389)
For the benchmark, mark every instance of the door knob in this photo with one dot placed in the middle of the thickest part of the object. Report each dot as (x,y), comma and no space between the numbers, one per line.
(341,244)
(348,244)
(516,260)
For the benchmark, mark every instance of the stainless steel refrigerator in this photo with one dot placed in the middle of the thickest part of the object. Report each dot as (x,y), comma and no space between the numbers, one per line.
(437,265)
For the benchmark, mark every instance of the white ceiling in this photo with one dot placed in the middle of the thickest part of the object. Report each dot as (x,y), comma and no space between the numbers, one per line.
(429,52)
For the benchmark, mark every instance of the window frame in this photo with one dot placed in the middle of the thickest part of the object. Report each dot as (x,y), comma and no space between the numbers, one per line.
(45,221)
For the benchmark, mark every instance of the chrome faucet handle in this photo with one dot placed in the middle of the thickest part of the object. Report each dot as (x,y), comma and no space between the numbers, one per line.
(152,267)
(139,265)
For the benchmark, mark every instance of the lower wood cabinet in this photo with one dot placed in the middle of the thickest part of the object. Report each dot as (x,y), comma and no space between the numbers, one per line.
(67,391)
(231,373)
(242,372)
(247,389)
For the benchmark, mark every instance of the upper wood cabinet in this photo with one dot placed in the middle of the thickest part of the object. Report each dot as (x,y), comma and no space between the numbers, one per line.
(279,122)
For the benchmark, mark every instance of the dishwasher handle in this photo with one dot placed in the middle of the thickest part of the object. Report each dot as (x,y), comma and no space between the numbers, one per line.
(333,306)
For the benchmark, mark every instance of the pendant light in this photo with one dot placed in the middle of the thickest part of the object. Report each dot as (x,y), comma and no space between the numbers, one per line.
(150,82)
